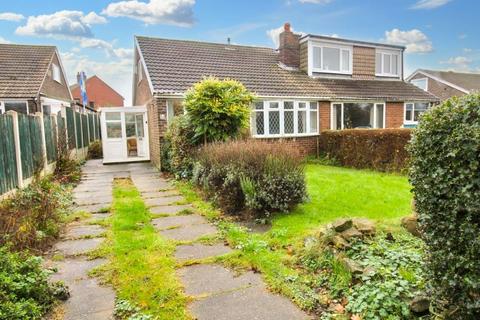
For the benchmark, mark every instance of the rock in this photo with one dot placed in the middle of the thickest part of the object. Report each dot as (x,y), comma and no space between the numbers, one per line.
(420,305)
(351,233)
(410,223)
(342,224)
(365,226)
(351,266)
(340,242)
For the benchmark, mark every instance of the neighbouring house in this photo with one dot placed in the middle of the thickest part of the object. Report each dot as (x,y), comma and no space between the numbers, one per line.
(32,79)
(311,83)
(99,93)
(445,84)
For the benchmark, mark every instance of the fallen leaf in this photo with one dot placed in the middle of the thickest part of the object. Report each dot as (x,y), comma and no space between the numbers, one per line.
(356,317)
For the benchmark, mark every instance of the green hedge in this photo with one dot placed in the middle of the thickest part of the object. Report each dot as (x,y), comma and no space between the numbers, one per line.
(445,175)
(378,149)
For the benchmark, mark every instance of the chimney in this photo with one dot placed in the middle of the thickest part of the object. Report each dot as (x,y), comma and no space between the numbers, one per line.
(289,48)
(78,77)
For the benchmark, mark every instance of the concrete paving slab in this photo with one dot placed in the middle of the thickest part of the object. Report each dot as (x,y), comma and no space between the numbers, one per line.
(155,202)
(175,221)
(95,199)
(95,217)
(84,231)
(189,233)
(170,209)
(253,303)
(159,194)
(72,270)
(200,251)
(77,247)
(79,195)
(208,279)
(92,208)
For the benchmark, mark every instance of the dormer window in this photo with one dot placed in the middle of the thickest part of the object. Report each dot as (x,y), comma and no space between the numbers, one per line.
(387,63)
(330,58)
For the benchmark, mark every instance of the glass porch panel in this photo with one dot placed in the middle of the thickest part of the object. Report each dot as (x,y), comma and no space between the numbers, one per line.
(358,115)
(140,126)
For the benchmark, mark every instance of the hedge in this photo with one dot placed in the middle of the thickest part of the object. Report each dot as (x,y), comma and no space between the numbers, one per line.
(378,149)
(445,175)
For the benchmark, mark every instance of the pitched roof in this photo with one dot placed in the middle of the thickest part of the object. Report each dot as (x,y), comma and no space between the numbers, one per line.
(467,81)
(173,66)
(23,68)
(76,85)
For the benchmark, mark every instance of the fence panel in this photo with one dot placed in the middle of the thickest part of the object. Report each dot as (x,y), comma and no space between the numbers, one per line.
(90,127)
(97,127)
(85,130)
(25,145)
(36,142)
(50,138)
(70,117)
(8,165)
(78,126)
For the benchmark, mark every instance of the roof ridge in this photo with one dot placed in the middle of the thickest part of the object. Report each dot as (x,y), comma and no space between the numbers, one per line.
(451,71)
(29,45)
(205,42)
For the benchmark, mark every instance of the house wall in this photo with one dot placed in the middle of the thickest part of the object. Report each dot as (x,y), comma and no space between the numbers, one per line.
(304,57)
(363,66)
(54,89)
(157,125)
(438,88)
(324,114)
(142,94)
(101,94)
(306,145)
(394,114)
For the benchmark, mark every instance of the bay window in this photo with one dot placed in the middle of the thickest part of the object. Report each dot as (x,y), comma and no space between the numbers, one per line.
(413,110)
(284,118)
(332,59)
(387,63)
(357,115)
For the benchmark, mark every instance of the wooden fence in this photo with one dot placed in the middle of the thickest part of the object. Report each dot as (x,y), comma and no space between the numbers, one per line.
(30,143)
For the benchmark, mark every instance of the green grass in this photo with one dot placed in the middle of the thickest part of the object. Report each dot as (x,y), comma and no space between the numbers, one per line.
(142,267)
(334,192)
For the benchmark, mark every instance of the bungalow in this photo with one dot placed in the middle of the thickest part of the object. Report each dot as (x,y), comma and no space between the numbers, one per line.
(311,83)
(445,84)
(32,79)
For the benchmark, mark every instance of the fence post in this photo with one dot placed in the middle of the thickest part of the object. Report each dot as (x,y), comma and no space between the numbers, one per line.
(63,114)
(39,116)
(18,156)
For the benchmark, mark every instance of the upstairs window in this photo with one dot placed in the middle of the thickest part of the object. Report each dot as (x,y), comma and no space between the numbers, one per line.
(332,59)
(387,64)
(284,118)
(413,111)
(421,83)
(56,73)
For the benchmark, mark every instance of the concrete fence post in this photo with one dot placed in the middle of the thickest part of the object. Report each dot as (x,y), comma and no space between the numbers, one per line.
(18,150)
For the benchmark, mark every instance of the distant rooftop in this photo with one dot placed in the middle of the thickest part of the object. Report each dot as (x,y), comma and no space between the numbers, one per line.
(468,80)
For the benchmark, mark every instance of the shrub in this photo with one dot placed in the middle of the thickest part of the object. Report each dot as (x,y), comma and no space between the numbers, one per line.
(251,176)
(445,175)
(95,150)
(25,292)
(31,217)
(218,109)
(180,137)
(378,149)
(67,170)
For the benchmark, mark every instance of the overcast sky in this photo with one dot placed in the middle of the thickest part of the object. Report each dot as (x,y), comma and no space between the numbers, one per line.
(97,36)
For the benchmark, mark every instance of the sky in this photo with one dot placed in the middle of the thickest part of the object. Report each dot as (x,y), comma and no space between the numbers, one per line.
(97,36)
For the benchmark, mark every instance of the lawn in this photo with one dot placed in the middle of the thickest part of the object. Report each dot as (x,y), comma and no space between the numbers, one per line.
(334,192)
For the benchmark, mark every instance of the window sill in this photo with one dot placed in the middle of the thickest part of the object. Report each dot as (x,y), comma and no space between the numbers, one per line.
(348,73)
(279,136)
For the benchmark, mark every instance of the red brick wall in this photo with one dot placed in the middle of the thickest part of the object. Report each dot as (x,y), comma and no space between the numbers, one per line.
(306,145)
(394,115)
(157,125)
(100,93)
(324,114)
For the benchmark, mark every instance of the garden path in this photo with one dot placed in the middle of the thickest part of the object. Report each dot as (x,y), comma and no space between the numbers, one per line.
(217,292)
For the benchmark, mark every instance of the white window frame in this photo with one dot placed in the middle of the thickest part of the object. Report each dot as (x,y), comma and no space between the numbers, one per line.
(266,109)
(2,105)
(405,121)
(413,81)
(390,53)
(56,73)
(332,124)
(122,125)
(341,48)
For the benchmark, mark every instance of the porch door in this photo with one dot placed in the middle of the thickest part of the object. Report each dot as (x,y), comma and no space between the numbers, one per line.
(140,132)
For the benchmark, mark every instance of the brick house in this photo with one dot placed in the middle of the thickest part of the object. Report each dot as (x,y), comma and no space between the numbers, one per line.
(311,83)
(99,93)
(445,84)
(32,79)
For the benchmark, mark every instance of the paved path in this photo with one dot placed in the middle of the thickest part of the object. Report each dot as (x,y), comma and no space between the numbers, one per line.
(216,291)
